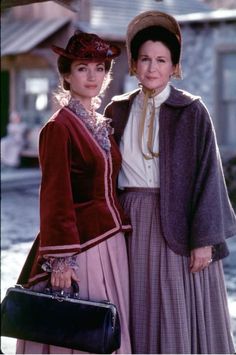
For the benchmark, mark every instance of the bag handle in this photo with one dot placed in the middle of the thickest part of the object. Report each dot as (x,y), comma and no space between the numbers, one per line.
(62,293)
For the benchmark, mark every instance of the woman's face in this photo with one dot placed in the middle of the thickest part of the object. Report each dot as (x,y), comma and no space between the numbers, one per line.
(85,79)
(154,65)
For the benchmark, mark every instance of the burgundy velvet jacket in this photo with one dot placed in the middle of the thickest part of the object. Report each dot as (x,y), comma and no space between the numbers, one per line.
(78,206)
(194,204)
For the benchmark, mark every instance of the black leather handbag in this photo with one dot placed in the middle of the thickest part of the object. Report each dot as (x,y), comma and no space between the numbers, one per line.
(60,319)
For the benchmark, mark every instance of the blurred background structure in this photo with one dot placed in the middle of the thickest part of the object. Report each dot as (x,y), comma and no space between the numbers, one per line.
(29,79)
(28,66)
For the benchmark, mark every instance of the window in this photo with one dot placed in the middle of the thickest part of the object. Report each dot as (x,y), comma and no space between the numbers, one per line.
(226,98)
(34,90)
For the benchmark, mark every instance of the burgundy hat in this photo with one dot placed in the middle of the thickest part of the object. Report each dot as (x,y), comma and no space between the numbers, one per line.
(87,46)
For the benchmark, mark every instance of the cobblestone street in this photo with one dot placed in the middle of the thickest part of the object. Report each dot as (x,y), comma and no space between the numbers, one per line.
(20,224)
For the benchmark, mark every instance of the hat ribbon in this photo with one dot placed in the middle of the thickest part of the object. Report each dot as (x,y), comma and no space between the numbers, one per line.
(152,154)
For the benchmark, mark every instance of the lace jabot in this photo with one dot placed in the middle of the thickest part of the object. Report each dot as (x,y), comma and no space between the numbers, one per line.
(98,125)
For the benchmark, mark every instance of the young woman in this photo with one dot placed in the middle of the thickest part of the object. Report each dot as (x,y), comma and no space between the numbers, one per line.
(174,192)
(81,222)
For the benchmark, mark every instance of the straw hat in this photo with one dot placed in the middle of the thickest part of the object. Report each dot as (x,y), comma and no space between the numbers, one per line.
(87,46)
(147,19)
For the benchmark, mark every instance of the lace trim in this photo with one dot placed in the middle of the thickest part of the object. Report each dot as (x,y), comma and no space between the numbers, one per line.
(60,264)
(97,124)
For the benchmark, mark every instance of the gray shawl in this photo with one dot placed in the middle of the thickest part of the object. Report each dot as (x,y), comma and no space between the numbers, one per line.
(195,207)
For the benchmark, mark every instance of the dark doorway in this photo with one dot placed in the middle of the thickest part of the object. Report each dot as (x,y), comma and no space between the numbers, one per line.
(4,107)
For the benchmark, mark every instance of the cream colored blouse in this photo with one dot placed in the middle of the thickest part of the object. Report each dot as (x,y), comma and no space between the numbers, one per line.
(136,171)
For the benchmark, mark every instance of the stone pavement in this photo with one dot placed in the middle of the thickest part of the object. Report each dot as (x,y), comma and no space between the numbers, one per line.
(20,224)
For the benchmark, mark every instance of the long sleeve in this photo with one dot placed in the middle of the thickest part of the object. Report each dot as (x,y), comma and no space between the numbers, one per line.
(58,232)
(213,216)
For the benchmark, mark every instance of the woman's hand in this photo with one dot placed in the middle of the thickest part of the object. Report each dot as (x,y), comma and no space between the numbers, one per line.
(200,258)
(63,278)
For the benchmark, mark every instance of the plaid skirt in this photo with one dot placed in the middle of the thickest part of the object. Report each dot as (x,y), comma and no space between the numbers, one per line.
(173,311)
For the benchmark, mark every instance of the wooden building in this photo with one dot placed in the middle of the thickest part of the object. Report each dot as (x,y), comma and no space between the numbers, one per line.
(28,66)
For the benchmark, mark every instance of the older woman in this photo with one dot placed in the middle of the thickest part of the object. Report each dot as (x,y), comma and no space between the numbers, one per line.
(174,192)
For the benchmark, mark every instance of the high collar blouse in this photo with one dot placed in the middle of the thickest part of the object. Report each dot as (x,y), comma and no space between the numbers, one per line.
(136,171)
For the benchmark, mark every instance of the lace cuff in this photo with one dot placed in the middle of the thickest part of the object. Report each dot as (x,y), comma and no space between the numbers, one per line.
(60,264)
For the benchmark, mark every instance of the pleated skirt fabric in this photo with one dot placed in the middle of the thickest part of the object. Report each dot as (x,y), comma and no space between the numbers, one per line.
(103,275)
(173,311)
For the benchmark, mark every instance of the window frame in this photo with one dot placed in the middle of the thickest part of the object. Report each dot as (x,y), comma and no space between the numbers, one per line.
(35,117)
(220,52)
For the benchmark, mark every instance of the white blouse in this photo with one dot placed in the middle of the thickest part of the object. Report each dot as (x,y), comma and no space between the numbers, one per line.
(136,171)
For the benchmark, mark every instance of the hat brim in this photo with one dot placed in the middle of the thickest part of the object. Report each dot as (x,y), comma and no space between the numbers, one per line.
(113,52)
(148,19)
(153,18)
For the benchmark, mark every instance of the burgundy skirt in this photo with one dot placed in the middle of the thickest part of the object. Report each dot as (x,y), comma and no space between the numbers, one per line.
(173,311)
